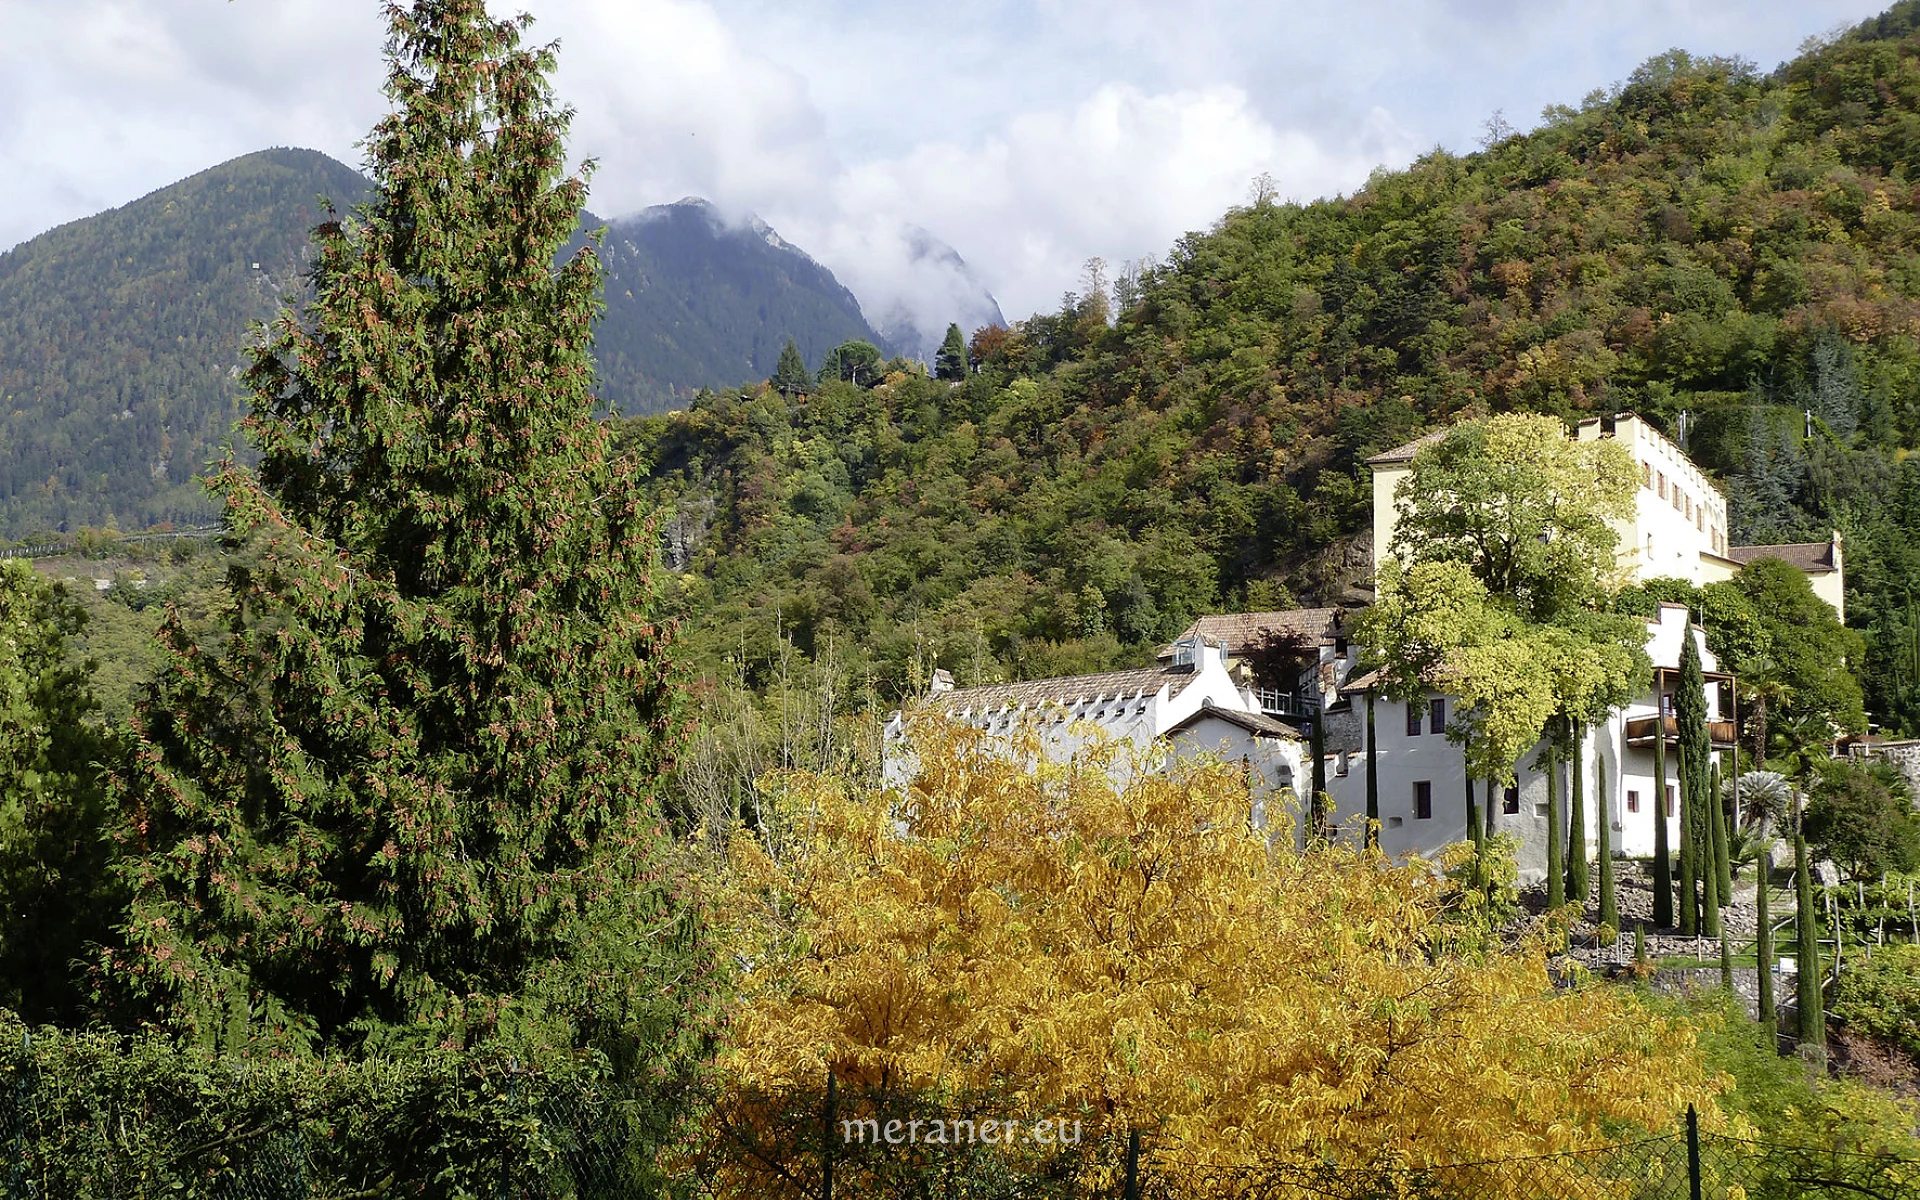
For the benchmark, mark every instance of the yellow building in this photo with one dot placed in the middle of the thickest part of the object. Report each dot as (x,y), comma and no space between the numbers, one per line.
(1679,523)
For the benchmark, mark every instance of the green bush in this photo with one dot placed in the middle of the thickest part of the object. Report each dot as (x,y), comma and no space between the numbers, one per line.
(1880,996)
(93,1115)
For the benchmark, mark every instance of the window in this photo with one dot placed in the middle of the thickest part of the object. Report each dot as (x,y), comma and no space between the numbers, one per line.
(1633,801)
(1423,800)
(1340,764)
(1662,488)
(1437,715)
(1689,509)
(1646,474)
(1669,800)
(1510,801)
(1413,719)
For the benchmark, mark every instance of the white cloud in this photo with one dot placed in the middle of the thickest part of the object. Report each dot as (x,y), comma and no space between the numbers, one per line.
(1117,176)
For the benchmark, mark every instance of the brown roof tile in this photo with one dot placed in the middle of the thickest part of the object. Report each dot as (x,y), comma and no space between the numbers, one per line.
(1064,690)
(1806,556)
(1405,453)
(1239,631)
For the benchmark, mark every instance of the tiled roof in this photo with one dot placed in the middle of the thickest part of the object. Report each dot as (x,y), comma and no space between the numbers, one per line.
(1405,453)
(1065,690)
(1255,723)
(1806,556)
(1241,631)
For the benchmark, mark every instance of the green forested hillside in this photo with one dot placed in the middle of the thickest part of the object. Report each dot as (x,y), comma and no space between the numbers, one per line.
(1704,238)
(693,302)
(120,334)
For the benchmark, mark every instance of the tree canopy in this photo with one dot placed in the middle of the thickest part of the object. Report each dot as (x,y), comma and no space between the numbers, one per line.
(407,793)
(1138,953)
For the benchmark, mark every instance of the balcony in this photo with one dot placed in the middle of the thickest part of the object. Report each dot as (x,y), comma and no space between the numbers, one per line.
(1285,705)
(1640,732)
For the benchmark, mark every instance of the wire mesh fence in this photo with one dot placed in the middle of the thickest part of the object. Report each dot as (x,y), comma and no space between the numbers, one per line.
(577,1141)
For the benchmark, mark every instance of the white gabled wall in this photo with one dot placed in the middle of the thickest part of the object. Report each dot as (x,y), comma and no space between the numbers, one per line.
(1406,759)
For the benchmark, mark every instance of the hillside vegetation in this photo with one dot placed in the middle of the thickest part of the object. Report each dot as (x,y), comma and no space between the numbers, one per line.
(1705,238)
(121,335)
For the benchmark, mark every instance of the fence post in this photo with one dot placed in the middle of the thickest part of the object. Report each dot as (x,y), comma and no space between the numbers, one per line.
(826,1141)
(1693,1153)
(1133,1164)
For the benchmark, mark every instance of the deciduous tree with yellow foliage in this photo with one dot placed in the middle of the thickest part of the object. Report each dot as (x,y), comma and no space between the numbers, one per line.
(1137,955)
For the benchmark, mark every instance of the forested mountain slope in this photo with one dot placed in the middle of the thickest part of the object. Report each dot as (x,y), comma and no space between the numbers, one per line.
(120,334)
(1704,238)
(694,302)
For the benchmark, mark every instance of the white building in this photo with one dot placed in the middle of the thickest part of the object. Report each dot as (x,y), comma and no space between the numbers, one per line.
(1678,530)
(1423,780)
(1189,700)
(1679,523)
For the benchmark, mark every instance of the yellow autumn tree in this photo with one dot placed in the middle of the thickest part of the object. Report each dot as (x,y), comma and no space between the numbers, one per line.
(1138,956)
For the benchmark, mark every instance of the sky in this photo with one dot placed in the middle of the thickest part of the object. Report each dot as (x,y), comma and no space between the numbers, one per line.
(1031,137)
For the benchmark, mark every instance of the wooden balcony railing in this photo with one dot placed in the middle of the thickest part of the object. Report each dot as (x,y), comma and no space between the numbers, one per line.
(1640,732)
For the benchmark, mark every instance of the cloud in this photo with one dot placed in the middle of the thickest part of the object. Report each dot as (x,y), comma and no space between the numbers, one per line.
(1118,175)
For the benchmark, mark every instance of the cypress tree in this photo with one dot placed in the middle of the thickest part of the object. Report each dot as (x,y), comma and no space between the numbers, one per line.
(1813,1017)
(1763,952)
(1578,880)
(410,794)
(1688,891)
(1474,832)
(1556,881)
(1603,830)
(1722,852)
(1662,840)
(1697,869)
(951,361)
(1726,961)
(1373,780)
(1488,815)
(790,375)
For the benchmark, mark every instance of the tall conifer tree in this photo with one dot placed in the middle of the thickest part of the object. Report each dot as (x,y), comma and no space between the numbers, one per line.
(1806,921)
(1603,853)
(790,374)
(1699,879)
(1662,839)
(409,793)
(951,361)
(1578,880)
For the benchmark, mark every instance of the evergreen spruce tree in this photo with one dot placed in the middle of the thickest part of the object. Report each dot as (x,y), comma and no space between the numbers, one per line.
(1603,830)
(951,361)
(1662,839)
(1806,919)
(1763,951)
(790,376)
(1578,879)
(1556,879)
(409,796)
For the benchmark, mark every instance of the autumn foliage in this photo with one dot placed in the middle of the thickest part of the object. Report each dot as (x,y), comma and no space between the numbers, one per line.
(1140,957)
